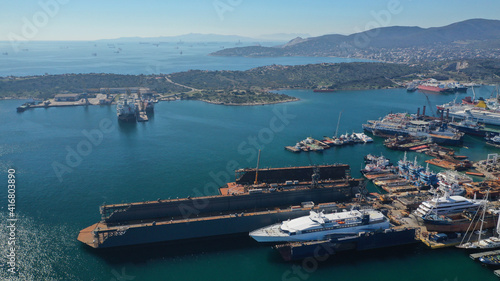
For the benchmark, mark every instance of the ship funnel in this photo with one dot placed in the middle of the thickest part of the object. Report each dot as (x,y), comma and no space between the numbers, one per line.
(423,111)
(418,111)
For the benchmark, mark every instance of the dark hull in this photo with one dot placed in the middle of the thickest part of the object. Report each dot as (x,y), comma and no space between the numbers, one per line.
(458,225)
(470,131)
(446,141)
(230,225)
(198,217)
(491,261)
(127,118)
(367,241)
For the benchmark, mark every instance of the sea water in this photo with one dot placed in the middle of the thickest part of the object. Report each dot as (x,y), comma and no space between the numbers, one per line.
(69,161)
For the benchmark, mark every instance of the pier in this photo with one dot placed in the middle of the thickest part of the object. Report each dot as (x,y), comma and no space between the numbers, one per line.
(478,255)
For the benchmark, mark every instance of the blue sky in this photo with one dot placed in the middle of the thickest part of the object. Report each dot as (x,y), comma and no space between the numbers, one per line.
(92,19)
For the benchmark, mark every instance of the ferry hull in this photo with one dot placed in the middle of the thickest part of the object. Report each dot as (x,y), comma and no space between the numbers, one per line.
(457,225)
(367,241)
(127,117)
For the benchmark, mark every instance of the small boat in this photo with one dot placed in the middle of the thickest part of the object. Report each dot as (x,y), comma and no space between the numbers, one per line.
(490,260)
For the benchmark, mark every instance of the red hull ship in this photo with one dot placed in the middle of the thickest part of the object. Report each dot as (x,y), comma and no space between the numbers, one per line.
(433,89)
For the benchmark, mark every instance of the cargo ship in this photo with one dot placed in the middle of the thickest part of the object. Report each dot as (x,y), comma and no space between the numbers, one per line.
(436,88)
(358,242)
(126,109)
(240,207)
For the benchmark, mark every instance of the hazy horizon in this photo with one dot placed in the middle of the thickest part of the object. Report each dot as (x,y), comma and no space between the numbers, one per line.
(66,20)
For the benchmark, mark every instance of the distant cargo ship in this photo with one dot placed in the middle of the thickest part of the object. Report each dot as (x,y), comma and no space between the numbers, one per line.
(323,90)
(240,207)
(126,109)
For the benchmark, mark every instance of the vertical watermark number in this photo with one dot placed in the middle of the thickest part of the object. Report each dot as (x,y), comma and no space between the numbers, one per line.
(11,221)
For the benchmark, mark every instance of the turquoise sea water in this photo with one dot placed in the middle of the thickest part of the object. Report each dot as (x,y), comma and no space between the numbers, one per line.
(38,58)
(187,145)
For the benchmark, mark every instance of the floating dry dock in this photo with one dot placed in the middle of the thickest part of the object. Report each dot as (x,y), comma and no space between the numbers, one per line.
(240,207)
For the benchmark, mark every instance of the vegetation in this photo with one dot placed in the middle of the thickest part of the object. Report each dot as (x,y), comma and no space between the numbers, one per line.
(48,86)
(244,97)
(337,76)
(253,86)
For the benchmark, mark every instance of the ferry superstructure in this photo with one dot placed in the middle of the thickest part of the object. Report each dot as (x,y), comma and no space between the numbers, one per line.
(320,226)
(480,110)
(451,181)
(447,205)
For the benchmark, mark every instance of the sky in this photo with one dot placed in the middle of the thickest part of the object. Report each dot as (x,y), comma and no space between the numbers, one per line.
(40,20)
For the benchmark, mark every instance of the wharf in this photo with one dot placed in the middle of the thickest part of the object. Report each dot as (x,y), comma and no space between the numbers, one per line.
(376,176)
(457,166)
(292,148)
(398,215)
(490,167)
(482,254)
(142,117)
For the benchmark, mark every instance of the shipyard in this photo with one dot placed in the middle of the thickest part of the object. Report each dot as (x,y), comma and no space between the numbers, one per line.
(305,210)
(333,140)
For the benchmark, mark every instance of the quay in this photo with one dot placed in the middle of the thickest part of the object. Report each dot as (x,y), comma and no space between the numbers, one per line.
(482,254)
(490,167)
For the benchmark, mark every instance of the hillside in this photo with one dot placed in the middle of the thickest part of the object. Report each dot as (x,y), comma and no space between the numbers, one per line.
(467,39)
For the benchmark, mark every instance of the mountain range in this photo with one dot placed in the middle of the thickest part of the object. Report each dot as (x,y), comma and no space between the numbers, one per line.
(200,37)
(474,32)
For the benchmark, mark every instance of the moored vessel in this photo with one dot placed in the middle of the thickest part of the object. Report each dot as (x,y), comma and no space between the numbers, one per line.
(126,109)
(240,207)
(320,226)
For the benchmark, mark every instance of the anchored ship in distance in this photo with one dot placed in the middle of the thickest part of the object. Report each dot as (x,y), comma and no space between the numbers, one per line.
(240,207)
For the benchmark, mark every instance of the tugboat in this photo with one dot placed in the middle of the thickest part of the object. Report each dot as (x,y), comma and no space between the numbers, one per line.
(23,107)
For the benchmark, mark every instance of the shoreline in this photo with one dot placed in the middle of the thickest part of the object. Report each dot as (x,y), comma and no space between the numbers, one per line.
(249,104)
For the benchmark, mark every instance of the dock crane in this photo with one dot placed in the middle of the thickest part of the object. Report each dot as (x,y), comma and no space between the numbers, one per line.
(257,170)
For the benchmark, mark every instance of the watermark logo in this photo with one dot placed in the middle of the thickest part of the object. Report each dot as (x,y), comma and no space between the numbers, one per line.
(11,221)
(381,18)
(223,6)
(75,156)
(121,276)
(309,265)
(31,26)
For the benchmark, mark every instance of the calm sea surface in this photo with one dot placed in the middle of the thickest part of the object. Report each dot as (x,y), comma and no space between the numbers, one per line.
(175,154)
(187,145)
(38,58)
